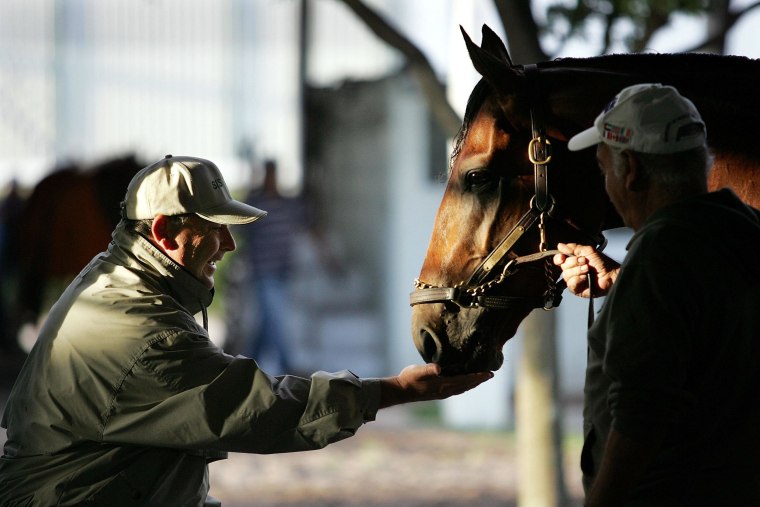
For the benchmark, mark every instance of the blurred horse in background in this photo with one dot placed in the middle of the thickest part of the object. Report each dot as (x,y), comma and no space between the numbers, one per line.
(515,191)
(65,222)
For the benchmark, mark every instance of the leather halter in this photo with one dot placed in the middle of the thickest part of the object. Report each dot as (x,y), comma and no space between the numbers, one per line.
(475,292)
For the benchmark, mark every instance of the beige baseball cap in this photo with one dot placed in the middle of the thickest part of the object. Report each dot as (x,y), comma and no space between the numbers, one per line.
(647,118)
(181,185)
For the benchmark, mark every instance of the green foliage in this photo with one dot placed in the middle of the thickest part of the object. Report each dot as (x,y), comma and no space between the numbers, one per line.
(645,17)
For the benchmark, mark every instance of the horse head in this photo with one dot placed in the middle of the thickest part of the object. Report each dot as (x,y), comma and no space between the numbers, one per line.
(504,205)
(508,201)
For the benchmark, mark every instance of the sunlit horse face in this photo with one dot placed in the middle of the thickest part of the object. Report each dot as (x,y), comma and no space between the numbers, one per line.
(477,209)
(491,181)
(490,187)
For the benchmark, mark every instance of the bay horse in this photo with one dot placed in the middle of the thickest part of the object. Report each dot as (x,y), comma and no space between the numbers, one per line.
(515,191)
(65,222)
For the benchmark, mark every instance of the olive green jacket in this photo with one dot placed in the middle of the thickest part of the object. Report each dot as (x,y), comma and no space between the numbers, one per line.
(124,398)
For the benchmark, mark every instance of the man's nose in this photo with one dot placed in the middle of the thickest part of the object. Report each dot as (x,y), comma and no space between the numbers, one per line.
(228,242)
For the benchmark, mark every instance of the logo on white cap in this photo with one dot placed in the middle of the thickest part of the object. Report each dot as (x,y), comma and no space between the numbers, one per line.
(647,118)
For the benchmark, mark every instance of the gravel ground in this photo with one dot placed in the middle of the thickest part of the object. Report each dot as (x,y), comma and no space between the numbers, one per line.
(390,464)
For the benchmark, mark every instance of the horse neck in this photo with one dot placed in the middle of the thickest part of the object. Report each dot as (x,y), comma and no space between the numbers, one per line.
(718,85)
(739,173)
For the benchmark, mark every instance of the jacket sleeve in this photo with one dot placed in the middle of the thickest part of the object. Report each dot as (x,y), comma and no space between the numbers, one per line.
(184,392)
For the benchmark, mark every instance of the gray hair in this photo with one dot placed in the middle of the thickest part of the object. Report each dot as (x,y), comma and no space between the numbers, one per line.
(671,170)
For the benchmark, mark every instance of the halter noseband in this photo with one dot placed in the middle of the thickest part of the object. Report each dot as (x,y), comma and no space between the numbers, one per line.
(475,292)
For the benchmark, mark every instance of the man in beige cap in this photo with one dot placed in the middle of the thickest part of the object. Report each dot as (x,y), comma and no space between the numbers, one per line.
(124,398)
(672,404)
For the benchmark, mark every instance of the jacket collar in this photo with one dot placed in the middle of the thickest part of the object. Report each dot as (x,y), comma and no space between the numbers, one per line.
(173,278)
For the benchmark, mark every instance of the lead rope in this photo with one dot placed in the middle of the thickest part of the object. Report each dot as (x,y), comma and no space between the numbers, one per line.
(590,278)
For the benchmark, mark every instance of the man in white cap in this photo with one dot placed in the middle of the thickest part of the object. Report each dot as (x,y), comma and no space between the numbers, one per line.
(124,398)
(672,403)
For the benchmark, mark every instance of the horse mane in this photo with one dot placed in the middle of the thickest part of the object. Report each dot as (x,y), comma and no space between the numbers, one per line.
(699,73)
(722,87)
(706,65)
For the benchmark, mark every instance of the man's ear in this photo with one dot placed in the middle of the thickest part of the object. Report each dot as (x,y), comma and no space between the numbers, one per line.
(635,180)
(162,234)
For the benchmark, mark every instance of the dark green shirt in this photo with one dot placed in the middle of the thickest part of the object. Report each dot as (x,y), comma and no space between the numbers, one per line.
(676,348)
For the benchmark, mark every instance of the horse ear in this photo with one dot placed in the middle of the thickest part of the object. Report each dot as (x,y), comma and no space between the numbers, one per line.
(493,44)
(496,68)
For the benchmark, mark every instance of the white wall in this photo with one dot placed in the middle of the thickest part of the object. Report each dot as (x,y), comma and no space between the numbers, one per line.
(413,203)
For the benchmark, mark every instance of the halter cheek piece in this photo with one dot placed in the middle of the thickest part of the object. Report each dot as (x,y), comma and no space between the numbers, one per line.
(476,291)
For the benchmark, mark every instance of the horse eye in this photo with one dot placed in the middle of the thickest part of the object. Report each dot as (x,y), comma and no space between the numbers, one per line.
(479,180)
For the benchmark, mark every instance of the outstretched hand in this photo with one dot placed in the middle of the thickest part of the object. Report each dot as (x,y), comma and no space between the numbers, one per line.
(577,261)
(424,382)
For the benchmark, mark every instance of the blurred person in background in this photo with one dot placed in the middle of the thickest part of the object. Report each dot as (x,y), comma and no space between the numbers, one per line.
(124,399)
(672,397)
(268,251)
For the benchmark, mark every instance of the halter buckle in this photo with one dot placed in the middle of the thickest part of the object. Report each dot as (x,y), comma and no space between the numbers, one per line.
(540,150)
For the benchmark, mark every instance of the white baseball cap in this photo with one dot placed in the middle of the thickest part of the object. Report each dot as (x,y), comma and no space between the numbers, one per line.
(181,185)
(647,118)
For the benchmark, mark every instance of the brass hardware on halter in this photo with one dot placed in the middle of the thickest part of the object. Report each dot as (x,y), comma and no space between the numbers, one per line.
(477,291)
(540,150)
(474,297)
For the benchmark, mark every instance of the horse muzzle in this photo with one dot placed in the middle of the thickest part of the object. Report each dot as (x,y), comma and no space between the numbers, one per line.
(453,342)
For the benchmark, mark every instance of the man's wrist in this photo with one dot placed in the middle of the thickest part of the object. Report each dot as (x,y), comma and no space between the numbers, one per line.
(391,392)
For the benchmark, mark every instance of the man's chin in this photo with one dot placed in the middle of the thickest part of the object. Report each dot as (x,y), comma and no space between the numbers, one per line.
(207,277)
(208,281)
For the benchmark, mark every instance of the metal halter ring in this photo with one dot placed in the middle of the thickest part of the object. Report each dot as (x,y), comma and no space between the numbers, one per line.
(548,210)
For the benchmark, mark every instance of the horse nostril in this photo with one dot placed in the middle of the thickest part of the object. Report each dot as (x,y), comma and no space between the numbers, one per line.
(430,347)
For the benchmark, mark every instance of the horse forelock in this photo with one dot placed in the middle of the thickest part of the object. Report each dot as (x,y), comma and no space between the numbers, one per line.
(503,109)
(477,98)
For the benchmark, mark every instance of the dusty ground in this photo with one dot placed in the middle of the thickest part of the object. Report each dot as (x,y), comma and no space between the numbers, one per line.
(388,465)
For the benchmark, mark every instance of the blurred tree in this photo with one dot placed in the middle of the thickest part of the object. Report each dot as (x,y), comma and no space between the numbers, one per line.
(433,89)
(645,18)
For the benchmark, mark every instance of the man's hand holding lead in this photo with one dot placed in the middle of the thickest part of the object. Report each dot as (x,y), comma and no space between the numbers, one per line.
(577,261)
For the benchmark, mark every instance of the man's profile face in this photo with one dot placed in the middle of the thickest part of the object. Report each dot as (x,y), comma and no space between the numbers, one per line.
(200,244)
(613,183)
